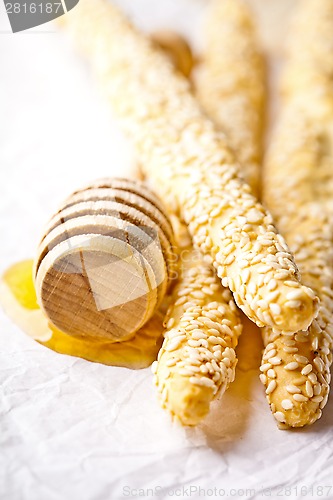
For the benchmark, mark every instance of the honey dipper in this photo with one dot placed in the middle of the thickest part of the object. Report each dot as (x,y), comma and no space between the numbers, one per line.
(105,261)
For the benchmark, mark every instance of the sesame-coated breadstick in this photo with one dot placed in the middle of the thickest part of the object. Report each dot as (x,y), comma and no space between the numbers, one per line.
(197,360)
(298,189)
(230,83)
(193,169)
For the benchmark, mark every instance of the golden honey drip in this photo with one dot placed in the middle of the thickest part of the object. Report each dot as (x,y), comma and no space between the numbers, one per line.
(18,298)
(19,280)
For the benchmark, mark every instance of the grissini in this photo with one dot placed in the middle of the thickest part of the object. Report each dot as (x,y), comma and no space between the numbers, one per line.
(192,167)
(230,82)
(176,48)
(298,189)
(197,359)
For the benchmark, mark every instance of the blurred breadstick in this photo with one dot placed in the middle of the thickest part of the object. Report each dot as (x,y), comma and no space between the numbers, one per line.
(298,189)
(192,167)
(230,82)
(176,47)
(197,360)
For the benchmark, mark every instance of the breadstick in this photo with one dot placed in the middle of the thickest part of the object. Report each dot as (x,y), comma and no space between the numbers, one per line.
(298,189)
(176,48)
(197,360)
(193,169)
(230,82)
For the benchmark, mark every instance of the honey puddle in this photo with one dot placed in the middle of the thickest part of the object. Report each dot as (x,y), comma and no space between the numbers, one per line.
(18,300)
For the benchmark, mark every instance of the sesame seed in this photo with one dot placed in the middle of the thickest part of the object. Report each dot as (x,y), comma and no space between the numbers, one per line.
(275,308)
(202,219)
(245,275)
(300,398)
(301,338)
(193,343)
(173,345)
(312,377)
(185,372)
(265,367)
(213,315)
(229,260)
(309,388)
(226,329)
(197,294)
(290,349)
(293,304)
(203,343)
(271,387)
(198,334)
(263,269)
(214,365)
(271,373)
(293,284)
(202,381)
(294,295)
(226,361)
(154,367)
(210,367)
(254,216)
(287,404)
(275,361)
(310,293)
(315,327)
(301,359)
(272,285)
(293,389)
(164,394)
(317,399)
(289,342)
(180,301)
(319,364)
(171,362)
(291,366)
(315,344)
(307,369)
(269,354)
(170,323)
(192,367)
(317,389)
(299,381)
(279,416)
(324,401)
(194,361)
(213,332)
(263,378)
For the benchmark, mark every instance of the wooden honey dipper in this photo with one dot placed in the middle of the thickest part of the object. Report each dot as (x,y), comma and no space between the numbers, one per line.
(105,261)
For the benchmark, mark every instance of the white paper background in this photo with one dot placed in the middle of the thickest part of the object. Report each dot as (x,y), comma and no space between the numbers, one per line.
(71,429)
